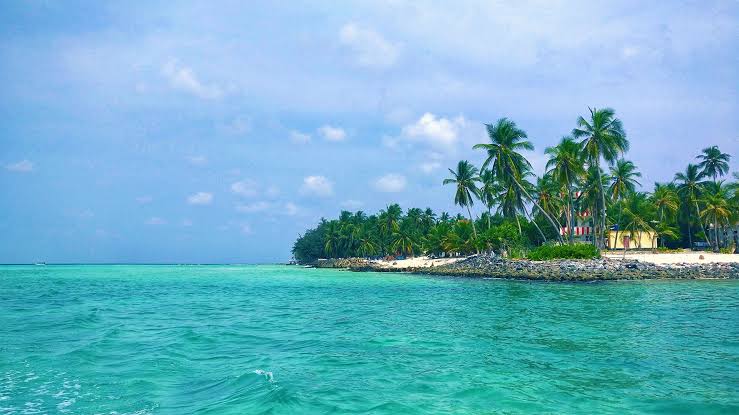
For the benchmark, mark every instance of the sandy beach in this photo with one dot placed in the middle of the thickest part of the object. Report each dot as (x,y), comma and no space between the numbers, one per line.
(416,262)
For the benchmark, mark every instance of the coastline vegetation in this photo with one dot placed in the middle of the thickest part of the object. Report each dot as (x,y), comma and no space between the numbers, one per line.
(587,179)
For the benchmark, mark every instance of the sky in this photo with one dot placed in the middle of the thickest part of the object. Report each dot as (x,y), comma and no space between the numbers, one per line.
(209,132)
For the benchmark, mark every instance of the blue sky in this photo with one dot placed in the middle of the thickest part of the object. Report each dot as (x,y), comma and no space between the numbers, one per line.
(217,131)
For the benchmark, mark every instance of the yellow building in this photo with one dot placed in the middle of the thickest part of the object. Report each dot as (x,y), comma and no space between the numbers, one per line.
(632,240)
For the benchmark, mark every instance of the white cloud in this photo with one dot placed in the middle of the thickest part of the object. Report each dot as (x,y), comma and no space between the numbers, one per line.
(253,207)
(438,132)
(391,183)
(154,220)
(23,166)
(351,204)
(369,47)
(246,187)
(291,209)
(332,133)
(317,186)
(428,167)
(298,137)
(200,198)
(197,160)
(184,79)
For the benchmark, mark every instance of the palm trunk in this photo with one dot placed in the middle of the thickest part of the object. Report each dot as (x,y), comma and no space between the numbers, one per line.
(690,231)
(603,202)
(536,225)
(703,229)
(618,225)
(528,196)
(571,209)
(518,222)
(474,231)
(489,218)
(715,233)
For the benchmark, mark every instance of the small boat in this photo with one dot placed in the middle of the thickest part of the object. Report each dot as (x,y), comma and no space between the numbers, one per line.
(40,263)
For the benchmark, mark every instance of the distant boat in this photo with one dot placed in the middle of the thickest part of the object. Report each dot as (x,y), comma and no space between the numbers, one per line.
(40,263)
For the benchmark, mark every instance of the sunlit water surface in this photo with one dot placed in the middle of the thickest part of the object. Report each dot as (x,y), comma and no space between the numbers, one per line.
(289,340)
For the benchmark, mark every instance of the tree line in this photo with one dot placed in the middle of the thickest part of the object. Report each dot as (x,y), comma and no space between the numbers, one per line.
(587,175)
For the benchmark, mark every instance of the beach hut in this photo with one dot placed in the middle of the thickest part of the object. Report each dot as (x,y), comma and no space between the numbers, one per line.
(632,240)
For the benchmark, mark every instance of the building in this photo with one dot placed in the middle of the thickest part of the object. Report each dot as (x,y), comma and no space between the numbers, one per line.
(632,240)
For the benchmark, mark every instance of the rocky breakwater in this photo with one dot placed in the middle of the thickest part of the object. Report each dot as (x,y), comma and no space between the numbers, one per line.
(491,266)
(351,263)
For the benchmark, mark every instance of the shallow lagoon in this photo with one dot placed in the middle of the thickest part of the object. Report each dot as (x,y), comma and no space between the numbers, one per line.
(277,339)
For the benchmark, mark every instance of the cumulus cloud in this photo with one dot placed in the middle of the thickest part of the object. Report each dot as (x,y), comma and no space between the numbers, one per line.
(200,198)
(390,183)
(246,187)
(369,47)
(436,131)
(291,209)
(428,167)
(332,133)
(154,220)
(23,166)
(183,78)
(317,186)
(299,138)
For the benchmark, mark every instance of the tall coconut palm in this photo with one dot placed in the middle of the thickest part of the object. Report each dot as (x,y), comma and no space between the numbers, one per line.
(665,200)
(690,187)
(566,166)
(503,151)
(489,188)
(603,137)
(623,182)
(591,197)
(465,178)
(716,209)
(713,163)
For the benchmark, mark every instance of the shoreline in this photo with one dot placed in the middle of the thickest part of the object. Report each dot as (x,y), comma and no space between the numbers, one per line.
(607,268)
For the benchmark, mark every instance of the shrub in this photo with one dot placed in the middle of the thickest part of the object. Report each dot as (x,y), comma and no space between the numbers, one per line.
(728,250)
(577,251)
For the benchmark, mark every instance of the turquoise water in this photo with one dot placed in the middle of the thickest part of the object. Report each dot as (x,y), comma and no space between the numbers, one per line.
(288,340)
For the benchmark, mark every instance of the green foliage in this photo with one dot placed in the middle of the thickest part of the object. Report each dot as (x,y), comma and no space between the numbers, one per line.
(574,251)
(522,211)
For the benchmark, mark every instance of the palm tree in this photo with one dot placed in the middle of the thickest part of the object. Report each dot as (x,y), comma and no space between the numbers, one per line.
(603,137)
(623,182)
(365,242)
(488,190)
(691,187)
(713,163)
(332,238)
(404,239)
(506,140)
(717,209)
(666,202)
(638,213)
(465,178)
(591,197)
(565,164)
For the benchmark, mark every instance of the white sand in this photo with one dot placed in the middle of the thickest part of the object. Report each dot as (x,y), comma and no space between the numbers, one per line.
(417,262)
(687,257)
